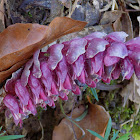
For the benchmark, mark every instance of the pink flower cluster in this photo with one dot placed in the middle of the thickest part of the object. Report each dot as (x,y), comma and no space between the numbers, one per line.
(53,74)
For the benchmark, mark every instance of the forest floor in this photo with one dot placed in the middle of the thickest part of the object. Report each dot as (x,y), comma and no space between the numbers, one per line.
(101,15)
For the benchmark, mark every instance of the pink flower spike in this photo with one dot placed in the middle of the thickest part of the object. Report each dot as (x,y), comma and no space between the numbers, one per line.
(11,103)
(95,46)
(76,48)
(55,55)
(22,92)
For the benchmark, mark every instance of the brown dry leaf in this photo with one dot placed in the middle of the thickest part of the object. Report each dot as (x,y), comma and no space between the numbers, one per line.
(132,91)
(123,23)
(110,17)
(2,24)
(19,41)
(96,120)
(7,73)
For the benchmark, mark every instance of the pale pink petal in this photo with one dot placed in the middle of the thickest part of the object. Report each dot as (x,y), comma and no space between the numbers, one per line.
(34,85)
(116,51)
(82,78)
(46,77)
(31,107)
(97,62)
(116,37)
(36,67)
(43,96)
(76,90)
(109,60)
(12,103)
(61,71)
(56,56)
(95,46)
(63,95)
(116,72)
(127,68)
(76,48)
(106,77)
(67,83)
(26,72)
(10,83)
(78,65)
(133,43)
(22,92)
(54,89)
(137,70)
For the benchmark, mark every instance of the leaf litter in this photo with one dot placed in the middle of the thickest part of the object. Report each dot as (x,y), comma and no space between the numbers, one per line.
(114,22)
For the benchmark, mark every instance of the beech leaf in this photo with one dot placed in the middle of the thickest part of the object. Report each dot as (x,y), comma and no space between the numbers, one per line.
(96,120)
(19,41)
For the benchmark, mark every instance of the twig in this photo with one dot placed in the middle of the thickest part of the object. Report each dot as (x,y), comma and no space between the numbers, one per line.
(125,99)
(71,117)
(131,120)
(42,138)
(114,3)
(71,120)
(106,7)
(73,8)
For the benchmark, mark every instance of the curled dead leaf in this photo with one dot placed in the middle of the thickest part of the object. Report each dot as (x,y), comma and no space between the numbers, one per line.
(19,41)
(7,73)
(132,91)
(124,23)
(96,120)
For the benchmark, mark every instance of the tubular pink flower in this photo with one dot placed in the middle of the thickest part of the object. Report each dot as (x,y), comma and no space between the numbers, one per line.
(11,102)
(22,92)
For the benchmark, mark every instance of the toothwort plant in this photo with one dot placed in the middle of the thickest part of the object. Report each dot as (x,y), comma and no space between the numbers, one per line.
(51,75)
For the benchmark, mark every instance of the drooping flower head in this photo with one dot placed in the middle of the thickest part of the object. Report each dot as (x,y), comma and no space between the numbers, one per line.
(65,67)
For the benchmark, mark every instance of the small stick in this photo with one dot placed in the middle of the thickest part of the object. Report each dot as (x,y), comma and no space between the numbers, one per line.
(73,8)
